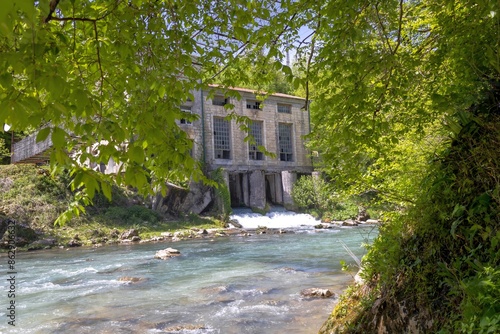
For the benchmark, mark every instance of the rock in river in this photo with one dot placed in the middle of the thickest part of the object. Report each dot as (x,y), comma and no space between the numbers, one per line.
(167,253)
(316,292)
(130,279)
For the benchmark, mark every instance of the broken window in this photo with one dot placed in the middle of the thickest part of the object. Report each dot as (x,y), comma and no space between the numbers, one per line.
(185,109)
(256,132)
(219,100)
(222,145)
(285,108)
(252,104)
(285,141)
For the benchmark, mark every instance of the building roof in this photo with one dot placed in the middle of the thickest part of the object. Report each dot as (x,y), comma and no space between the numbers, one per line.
(254,91)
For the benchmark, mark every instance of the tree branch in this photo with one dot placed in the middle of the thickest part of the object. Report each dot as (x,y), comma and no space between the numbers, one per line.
(400,25)
(313,42)
(99,58)
(384,33)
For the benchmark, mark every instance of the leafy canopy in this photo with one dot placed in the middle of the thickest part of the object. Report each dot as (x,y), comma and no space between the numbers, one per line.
(101,74)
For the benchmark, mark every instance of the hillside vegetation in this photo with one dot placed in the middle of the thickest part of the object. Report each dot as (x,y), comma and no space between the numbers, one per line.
(437,268)
(35,198)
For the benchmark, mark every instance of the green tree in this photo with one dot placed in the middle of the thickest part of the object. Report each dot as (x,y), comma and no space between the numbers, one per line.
(98,75)
(388,80)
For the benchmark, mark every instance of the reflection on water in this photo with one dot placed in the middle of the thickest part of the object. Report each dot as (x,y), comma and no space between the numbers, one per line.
(230,285)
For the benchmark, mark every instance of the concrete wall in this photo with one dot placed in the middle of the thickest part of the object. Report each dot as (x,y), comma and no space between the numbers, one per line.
(288,179)
(270,117)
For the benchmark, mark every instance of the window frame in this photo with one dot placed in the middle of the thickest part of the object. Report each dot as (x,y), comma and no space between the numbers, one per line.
(222,141)
(253,104)
(285,142)
(220,100)
(282,105)
(256,129)
(184,121)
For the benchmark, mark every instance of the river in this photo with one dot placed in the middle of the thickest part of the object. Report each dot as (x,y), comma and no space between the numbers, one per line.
(225,285)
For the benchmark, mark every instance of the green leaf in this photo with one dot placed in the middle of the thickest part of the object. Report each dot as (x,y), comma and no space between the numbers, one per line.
(136,154)
(106,189)
(42,134)
(58,137)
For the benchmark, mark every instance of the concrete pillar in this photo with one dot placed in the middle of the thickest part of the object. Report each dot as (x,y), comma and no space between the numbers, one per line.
(246,190)
(237,188)
(288,179)
(272,192)
(257,190)
(278,186)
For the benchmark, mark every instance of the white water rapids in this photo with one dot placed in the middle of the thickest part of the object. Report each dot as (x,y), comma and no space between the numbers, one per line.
(276,218)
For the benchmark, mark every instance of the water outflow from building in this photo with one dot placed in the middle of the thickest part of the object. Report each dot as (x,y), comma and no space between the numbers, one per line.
(277,217)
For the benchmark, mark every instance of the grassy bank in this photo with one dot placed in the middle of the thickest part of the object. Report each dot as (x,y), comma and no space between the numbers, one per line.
(34,198)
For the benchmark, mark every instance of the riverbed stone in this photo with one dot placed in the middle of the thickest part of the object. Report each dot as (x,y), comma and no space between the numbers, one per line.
(349,222)
(317,292)
(167,253)
(131,279)
(180,328)
(74,243)
(235,223)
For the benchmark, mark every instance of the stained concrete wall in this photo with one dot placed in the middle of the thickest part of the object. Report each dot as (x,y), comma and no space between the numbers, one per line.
(288,179)
(257,189)
(28,150)
(270,118)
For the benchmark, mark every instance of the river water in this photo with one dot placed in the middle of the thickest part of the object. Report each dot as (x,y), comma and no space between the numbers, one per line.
(237,284)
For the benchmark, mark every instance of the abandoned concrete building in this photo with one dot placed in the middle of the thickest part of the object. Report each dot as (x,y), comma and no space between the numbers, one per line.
(279,124)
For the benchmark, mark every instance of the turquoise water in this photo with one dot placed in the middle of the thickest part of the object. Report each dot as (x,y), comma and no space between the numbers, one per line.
(226,285)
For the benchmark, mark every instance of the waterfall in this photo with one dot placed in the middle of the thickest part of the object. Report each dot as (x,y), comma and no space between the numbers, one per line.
(276,218)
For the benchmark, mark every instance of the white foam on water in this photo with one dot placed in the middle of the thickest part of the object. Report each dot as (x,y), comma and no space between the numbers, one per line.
(251,292)
(71,272)
(90,286)
(236,307)
(276,218)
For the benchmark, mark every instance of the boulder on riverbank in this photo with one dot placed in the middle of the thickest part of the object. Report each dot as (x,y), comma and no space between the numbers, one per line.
(74,243)
(129,234)
(350,222)
(167,253)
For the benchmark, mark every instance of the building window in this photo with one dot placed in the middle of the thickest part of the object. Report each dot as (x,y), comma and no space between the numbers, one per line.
(285,108)
(252,104)
(219,100)
(285,141)
(185,110)
(256,132)
(222,145)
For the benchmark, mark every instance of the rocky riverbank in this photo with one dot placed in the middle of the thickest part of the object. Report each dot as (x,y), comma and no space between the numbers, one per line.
(28,239)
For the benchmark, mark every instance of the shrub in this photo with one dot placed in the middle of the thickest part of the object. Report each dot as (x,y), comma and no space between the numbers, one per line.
(314,195)
(311,192)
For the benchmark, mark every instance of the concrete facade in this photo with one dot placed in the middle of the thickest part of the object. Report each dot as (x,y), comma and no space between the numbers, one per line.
(254,178)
